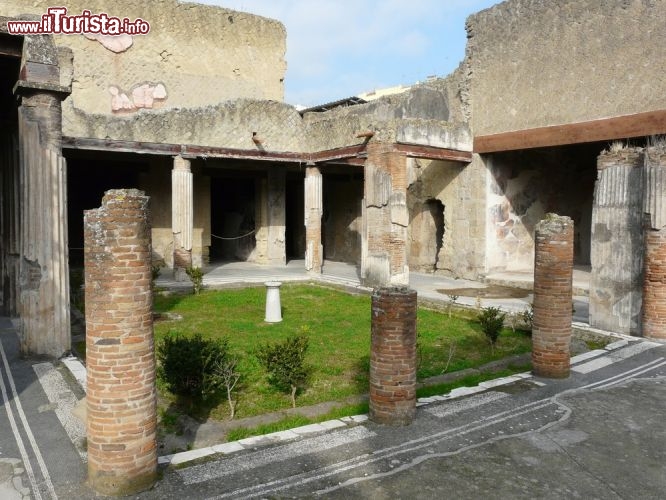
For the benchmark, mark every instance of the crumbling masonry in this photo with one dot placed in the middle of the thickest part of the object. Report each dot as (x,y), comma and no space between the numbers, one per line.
(451,176)
(120,355)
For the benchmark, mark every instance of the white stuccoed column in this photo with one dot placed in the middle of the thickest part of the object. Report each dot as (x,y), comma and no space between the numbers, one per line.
(314,252)
(182,216)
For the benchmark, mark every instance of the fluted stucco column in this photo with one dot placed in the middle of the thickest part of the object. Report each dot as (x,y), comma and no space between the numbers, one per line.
(182,216)
(314,252)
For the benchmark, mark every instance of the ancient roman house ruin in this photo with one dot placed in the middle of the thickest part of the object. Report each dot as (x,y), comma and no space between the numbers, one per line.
(553,109)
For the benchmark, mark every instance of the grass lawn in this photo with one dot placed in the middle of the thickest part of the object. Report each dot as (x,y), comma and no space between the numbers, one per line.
(338,325)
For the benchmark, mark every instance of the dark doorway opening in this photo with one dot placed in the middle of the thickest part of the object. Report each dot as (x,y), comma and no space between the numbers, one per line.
(295,216)
(87,180)
(233,218)
(342,217)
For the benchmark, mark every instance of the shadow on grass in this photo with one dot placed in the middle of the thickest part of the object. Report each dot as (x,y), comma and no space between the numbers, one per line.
(361,375)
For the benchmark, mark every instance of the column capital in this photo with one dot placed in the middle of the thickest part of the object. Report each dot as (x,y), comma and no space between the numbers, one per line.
(180,163)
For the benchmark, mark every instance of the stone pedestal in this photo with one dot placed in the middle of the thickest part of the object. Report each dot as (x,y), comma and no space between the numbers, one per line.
(393,356)
(120,354)
(273,305)
(553,273)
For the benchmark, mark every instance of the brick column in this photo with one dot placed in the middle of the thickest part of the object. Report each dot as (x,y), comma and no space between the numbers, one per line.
(182,216)
(393,356)
(120,356)
(654,284)
(553,272)
(314,253)
(385,217)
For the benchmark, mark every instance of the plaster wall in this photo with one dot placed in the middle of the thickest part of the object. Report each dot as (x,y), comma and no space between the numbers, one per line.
(523,187)
(531,63)
(194,55)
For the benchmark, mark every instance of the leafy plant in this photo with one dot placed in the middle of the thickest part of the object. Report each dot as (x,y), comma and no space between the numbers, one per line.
(285,363)
(528,317)
(155,270)
(196,277)
(189,366)
(492,320)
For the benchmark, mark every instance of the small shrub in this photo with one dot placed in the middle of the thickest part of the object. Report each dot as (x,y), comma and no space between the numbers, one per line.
(188,366)
(226,372)
(528,317)
(452,300)
(492,320)
(285,364)
(155,270)
(196,277)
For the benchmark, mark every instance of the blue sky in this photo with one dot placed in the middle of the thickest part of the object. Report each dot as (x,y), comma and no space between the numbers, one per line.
(339,48)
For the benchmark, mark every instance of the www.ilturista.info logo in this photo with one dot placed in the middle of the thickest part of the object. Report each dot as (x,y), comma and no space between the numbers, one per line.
(56,20)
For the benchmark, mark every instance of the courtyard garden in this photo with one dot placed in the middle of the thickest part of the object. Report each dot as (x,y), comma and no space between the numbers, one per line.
(337,328)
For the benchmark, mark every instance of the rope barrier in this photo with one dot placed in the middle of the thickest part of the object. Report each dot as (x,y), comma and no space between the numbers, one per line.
(234,238)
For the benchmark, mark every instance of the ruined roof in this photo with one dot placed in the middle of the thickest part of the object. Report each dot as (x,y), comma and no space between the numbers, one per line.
(340,103)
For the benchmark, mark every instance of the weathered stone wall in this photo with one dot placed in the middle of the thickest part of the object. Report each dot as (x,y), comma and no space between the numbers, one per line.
(430,113)
(617,242)
(532,63)
(462,191)
(524,186)
(194,55)
(229,124)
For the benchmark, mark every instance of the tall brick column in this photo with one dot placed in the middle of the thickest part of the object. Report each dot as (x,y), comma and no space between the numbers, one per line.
(553,272)
(182,216)
(654,284)
(120,356)
(314,253)
(393,356)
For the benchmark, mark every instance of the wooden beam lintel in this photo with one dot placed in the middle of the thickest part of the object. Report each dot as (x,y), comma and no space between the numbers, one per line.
(605,129)
(433,153)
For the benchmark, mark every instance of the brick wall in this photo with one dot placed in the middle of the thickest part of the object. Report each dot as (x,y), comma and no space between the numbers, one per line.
(121,396)
(553,271)
(393,356)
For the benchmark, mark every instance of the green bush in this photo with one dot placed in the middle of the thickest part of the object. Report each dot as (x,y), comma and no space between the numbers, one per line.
(285,363)
(528,317)
(492,321)
(196,277)
(190,366)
